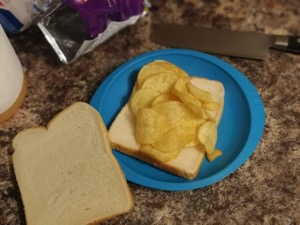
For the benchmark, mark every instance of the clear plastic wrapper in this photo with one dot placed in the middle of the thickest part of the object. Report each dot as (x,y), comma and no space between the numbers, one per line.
(76,27)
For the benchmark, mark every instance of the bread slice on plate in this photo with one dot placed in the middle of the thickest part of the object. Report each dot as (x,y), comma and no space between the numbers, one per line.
(189,160)
(67,173)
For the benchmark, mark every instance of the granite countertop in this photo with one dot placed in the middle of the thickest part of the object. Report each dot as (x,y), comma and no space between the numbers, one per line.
(264,190)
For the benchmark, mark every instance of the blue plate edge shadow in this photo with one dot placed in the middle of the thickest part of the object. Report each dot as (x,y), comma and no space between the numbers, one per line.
(257,122)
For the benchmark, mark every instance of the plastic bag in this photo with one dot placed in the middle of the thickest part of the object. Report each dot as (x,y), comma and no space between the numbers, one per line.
(76,27)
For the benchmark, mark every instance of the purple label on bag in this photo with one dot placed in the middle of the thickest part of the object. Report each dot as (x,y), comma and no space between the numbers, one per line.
(96,14)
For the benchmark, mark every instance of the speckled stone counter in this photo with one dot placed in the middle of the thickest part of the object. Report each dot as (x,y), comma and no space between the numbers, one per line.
(265,190)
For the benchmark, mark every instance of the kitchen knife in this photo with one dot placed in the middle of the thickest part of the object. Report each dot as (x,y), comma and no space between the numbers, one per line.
(221,41)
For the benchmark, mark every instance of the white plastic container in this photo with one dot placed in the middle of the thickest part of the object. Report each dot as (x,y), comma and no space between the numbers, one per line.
(12,80)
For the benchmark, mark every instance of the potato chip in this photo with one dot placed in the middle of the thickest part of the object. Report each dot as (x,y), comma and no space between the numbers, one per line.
(210,116)
(165,97)
(181,91)
(172,67)
(134,90)
(213,106)
(152,152)
(200,122)
(142,98)
(150,126)
(174,139)
(175,113)
(202,95)
(193,143)
(207,136)
(161,82)
(216,153)
(180,86)
(192,104)
(195,140)
(151,69)
(206,116)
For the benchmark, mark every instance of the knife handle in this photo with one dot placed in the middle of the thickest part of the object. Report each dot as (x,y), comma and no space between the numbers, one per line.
(287,43)
(294,44)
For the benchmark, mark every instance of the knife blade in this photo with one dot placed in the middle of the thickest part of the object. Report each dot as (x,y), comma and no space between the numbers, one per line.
(221,41)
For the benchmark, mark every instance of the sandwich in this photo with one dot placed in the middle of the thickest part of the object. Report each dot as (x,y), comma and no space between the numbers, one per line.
(170,120)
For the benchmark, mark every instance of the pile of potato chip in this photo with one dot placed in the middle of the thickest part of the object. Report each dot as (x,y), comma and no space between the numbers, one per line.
(171,113)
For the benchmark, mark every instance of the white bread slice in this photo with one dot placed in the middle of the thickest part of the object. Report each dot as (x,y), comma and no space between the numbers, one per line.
(67,173)
(189,160)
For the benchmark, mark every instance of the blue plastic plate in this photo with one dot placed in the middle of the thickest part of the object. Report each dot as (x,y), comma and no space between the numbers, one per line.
(239,131)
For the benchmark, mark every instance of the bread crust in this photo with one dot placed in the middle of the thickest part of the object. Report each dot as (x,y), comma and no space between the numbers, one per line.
(97,221)
(141,155)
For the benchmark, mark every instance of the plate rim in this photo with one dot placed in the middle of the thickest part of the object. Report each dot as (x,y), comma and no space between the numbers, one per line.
(256,112)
